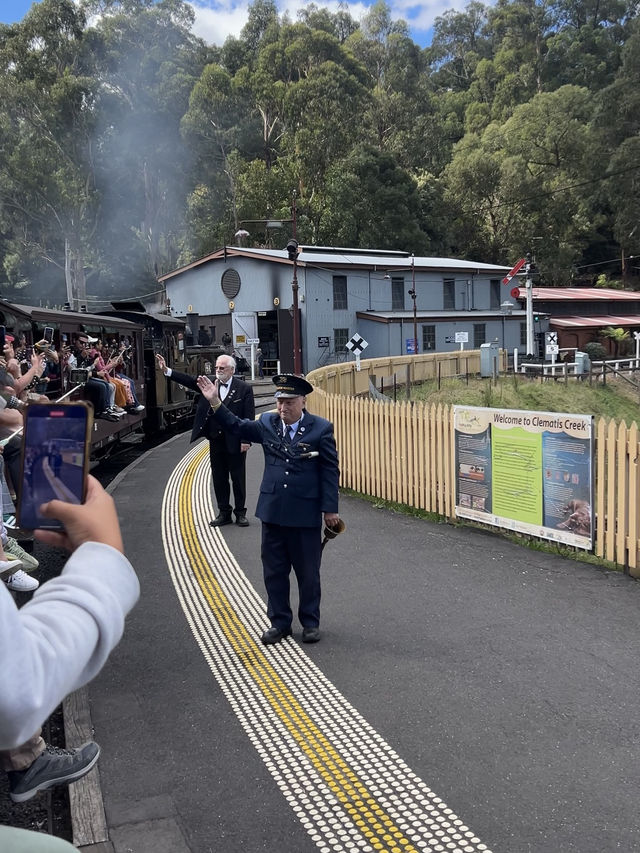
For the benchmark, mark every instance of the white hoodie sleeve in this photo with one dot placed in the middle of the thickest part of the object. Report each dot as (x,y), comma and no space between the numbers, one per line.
(61,638)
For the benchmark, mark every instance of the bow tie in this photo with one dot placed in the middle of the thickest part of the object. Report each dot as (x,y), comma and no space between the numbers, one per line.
(223,384)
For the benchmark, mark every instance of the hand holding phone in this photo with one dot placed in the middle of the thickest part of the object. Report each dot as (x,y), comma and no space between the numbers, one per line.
(48,334)
(94,521)
(55,460)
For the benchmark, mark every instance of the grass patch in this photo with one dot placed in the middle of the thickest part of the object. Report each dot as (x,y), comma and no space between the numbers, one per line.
(616,400)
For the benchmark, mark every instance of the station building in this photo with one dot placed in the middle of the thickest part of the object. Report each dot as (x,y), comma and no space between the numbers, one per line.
(383,296)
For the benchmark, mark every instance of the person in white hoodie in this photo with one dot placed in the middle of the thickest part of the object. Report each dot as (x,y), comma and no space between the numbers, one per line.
(56,643)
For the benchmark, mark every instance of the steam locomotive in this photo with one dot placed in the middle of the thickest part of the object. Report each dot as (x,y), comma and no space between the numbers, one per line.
(144,334)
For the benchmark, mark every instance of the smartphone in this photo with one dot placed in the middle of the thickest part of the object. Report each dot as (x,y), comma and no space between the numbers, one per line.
(48,334)
(2,338)
(55,459)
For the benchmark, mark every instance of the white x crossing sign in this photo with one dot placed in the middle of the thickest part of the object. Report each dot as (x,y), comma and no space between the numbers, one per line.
(357,344)
(550,338)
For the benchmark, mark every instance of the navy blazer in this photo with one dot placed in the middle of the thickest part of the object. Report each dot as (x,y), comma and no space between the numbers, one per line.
(239,400)
(296,488)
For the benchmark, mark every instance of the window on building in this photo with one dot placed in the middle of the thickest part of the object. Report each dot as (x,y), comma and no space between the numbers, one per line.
(428,338)
(449,294)
(495,293)
(479,334)
(397,294)
(340,338)
(523,334)
(339,292)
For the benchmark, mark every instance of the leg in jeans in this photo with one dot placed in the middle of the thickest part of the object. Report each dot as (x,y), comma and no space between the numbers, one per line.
(23,756)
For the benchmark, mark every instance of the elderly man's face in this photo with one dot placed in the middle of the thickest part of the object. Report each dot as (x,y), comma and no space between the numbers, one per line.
(290,408)
(224,369)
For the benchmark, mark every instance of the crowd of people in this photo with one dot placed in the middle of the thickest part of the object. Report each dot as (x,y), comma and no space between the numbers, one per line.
(39,372)
(61,638)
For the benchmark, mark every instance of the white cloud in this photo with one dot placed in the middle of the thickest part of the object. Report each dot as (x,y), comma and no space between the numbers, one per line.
(217,20)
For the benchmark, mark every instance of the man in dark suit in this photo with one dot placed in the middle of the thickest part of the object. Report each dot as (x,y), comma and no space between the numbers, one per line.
(227,452)
(299,488)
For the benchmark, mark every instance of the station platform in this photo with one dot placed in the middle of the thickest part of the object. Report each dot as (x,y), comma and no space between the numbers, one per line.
(467,695)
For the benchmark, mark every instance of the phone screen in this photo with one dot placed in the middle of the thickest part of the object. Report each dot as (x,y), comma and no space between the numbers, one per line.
(48,334)
(55,459)
(2,338)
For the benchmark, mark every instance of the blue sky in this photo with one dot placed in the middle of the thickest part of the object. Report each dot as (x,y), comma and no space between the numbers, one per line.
(216,19)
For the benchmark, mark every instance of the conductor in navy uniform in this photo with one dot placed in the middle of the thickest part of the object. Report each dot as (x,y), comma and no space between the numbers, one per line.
(299,490)
(228,454)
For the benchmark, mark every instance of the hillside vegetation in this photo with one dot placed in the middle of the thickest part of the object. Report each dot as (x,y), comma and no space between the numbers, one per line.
(616,400)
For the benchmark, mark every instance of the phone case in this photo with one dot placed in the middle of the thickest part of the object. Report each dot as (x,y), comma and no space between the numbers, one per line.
(55,459)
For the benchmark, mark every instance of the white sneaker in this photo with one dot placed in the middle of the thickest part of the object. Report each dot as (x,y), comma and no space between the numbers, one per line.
(13,548)
(20,581)
(138,408)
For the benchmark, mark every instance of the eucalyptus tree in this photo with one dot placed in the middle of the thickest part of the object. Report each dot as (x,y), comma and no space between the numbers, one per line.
(49,106)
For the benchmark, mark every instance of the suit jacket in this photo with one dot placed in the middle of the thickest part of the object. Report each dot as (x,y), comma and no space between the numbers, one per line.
(239,400)
(296,488)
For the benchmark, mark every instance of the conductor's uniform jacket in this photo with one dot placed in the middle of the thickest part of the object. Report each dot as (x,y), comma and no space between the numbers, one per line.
(299,484)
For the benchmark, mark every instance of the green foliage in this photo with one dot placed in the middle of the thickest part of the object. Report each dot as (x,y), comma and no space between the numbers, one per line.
(127,145)
(595,351)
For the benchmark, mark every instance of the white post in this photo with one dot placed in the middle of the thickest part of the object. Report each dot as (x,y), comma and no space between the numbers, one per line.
(515,360)
(461,345)
(529,292)
(358,361)
(636,335)
(253,362)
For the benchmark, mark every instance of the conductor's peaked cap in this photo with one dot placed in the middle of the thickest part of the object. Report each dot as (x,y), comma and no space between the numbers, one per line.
(291,386)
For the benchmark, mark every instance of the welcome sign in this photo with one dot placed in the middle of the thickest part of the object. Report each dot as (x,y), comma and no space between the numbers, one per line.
(526,471)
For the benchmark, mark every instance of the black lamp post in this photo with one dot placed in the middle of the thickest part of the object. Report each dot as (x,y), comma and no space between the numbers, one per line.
(292,251)
(412,294)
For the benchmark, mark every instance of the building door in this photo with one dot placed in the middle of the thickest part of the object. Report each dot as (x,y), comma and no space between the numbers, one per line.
(268,335)
(285,340)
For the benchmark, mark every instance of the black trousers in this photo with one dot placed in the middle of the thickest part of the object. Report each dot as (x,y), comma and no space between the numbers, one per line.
(227,466)
(284,548)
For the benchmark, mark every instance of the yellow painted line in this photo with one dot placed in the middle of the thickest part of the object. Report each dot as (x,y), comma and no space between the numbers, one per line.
(346,785)
(370,817)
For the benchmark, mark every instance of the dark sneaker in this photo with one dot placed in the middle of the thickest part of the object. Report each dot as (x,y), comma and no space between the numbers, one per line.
(54,767)
(221,519)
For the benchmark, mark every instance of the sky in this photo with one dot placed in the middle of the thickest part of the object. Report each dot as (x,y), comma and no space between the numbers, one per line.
(217,19)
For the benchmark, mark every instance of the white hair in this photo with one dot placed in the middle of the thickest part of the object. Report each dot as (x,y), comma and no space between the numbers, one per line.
(230,359)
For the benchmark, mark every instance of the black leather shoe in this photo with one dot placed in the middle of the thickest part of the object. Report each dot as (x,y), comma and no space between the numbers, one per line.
(274,635)
(221,520)
(241,521)
(310,635)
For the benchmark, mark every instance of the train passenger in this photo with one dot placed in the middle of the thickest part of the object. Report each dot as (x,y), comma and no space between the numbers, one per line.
(228,453)
(122,363)
(96,389)
(20,562)
(56,643)
(299,488)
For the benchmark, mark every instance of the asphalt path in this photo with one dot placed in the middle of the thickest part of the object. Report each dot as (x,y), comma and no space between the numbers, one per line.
(504,677)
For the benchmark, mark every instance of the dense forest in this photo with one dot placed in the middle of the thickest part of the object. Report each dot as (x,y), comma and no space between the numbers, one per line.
(128,146)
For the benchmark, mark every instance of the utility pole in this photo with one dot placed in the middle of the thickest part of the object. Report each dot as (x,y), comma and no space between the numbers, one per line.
(292,251)
(413,295)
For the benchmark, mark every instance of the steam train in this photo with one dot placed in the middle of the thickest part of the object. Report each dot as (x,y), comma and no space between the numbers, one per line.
(166,403)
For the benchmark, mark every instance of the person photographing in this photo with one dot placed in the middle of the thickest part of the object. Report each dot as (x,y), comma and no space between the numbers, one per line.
(299,491)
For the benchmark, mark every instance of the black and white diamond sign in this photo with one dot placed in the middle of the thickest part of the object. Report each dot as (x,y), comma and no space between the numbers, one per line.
(357,344)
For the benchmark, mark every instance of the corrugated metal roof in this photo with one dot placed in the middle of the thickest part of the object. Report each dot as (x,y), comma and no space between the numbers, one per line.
(594,322)
(311,257)
(573,294)
(476,314)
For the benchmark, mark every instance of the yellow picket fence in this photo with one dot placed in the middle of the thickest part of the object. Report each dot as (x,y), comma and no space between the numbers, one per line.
(404,452)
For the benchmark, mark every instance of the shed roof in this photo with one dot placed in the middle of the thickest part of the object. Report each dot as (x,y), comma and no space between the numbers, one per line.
(585,294)
(574,322)
(314,256)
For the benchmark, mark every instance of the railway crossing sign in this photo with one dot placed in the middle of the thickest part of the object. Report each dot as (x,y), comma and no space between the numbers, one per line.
(357,345)
(551,343)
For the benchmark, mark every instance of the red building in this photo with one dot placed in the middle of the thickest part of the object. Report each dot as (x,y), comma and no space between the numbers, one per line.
(579,314)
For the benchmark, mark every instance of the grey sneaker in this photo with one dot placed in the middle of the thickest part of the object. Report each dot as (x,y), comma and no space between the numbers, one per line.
(29,563)
(54,767)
